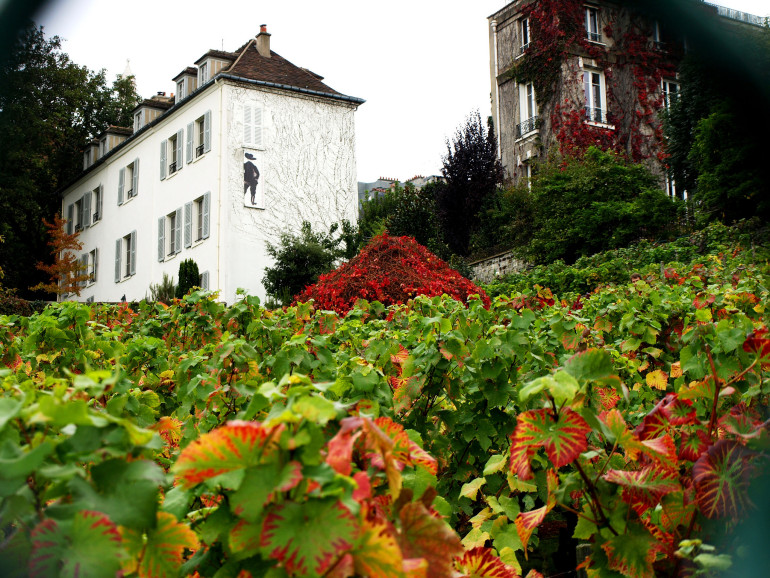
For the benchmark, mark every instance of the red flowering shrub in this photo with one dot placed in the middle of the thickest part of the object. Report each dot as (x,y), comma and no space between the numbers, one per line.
(390,270)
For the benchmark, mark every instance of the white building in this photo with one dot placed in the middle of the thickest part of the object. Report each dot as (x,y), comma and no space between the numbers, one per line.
(181,184)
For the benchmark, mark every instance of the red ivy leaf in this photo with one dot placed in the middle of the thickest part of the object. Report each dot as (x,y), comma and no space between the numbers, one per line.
(308,538)
(480,562)
(237,445)
(563,440)
(721,477)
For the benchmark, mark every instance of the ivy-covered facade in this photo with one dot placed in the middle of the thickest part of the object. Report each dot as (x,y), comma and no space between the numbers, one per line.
(569,74)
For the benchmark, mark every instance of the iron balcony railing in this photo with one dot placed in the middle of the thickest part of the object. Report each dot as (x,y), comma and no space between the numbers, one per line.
(172,168)
(597,115)
(594,36)
(523,48)
(526,127)
(198,151)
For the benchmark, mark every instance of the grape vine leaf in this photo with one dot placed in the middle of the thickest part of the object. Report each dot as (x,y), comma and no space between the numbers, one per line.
(632,553)
(92,547)
(589,365)
(657,379)
(258,486)
(404,449)
(564,440)
(377,554)
(645,486)
(234,446)
(721,477)
(480,562)
(160,553)
(425,536)
(308,538)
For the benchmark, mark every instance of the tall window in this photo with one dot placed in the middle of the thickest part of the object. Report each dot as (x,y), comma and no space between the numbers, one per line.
(593,86)
(670,92)
(174,154)
(138,120)
(170,235)
(252,125)
(527,110)
(92,264)
(180,90)
(592,24)
(128,182)
(196,220)
(199,137)
(97,197)
(203,74)
(524,35)
(125,257)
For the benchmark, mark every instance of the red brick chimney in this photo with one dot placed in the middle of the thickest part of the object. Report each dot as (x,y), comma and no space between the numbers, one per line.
(263,41)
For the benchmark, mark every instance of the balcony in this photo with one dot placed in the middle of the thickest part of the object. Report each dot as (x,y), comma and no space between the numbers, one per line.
(526,127)
(594,37)
(523,48)
(597,115)
(198,151)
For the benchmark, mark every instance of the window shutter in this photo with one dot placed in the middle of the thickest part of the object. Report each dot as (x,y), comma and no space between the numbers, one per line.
(179,149)
(161,238)
(188,224)
(257,127)
(70,219)
(121,182)
(83,267)
(248,129)
(178,231)
(205,280)
(162,160)
(100,201)
(117,261)
(87,210)
(206,207)
(133,252)
(96,264)
(190,127)
(207,131)
(136,177)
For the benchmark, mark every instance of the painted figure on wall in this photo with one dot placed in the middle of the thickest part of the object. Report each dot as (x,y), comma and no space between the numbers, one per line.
(250,177)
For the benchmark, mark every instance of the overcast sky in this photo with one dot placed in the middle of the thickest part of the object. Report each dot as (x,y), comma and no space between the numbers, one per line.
(421,65)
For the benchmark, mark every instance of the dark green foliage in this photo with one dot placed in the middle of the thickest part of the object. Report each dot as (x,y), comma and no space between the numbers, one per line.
(597,203)
(505,222)
(300,259)
(472,172)
(164,291)
(616,266)
(189,277)
(49,108)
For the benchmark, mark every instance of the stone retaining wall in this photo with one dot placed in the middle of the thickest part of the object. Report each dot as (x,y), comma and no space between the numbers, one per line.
(487,270)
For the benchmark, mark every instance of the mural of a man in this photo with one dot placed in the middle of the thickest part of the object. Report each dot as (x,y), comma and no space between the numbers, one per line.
(250,177)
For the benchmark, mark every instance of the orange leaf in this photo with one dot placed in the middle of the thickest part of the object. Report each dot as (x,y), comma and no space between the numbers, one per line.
(657,379)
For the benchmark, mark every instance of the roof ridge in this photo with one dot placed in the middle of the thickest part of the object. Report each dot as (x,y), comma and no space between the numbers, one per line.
(245,48)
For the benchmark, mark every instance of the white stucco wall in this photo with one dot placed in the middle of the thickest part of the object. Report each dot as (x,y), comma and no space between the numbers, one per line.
(308,172)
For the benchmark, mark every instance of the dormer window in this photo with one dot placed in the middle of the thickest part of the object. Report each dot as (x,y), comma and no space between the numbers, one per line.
(138,121)
(180,90)
(203,74)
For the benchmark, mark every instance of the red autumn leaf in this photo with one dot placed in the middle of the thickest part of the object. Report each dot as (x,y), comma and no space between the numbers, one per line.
(340,448)
(645,486)
(703,300)
(405,391)
(405,450)
(757,344)
(563,440)
(480,562)
(738,422)
(400,357)
(527,522)
(308,538)
(721,477)
(632,553)
(235,446)
(425,536)
(693,444)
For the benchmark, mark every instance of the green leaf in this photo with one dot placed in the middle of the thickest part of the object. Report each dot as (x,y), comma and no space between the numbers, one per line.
(315,408)
(15,463)
(470,489)
(235,446)
(632,553)
(9,409)
(562,387)
(494,464)
(308,538)
(259,484)
(589,365)
(159,553)
(377,554)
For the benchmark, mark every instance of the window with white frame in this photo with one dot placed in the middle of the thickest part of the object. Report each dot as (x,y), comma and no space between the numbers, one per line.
(180,90)
(138,120)
(524,35)
(196,220)
(97,198)
(203,74)
(670,92)
(125,257)
(170,235)
(592,24)
(527,110)
(199,137)
(595,96)
(171,154)
(128,182)
(103,147)
(204,281)
(252,126)
(89,265)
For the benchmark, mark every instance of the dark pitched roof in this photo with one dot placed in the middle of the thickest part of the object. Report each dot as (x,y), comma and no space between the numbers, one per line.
(250,64)
(190,71)
(217,54)
(164,104)
(112,129)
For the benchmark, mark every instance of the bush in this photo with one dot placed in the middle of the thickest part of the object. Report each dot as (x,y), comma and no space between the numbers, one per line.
(163,291)
(600,202)
(189,277)
(390,270)
(300,259)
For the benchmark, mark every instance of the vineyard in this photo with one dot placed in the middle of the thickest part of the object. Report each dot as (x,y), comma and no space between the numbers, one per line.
(431,439)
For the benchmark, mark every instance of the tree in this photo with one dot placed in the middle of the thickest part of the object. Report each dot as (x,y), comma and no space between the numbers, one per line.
(67,274)
(49,109)
(599,202)
(472,172)
(164,291)
(189,277)
(300,259)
